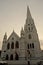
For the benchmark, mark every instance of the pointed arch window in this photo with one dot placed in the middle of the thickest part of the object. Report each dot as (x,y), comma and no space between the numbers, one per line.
(12,45)
(29,36)
(32,45)
(28,46)
(8,45)
(29,28)
(17,44)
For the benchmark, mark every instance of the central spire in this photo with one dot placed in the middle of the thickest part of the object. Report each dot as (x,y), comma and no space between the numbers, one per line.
(28,12)
(29,21)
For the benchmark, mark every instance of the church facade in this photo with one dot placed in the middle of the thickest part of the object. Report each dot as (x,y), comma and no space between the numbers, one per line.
(23,48)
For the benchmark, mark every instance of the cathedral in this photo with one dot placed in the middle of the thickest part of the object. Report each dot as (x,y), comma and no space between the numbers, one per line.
(24,49)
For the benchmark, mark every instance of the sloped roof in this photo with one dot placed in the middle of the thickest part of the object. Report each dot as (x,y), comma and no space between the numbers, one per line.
(13,33)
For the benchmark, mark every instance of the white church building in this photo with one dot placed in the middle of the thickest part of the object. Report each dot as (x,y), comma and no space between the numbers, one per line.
(24,49)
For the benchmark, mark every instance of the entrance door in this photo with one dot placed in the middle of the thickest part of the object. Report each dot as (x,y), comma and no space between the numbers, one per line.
(28,62)
(11,57)
(16,57)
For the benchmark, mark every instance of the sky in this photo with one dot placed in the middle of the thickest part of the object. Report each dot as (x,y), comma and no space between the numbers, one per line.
(13,16)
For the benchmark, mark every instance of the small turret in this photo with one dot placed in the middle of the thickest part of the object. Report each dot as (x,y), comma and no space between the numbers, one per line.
(22,32)
(5,38)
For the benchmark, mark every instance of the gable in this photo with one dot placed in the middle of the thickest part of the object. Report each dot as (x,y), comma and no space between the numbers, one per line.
(13,36)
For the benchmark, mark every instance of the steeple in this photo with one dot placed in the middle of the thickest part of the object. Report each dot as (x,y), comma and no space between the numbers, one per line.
(29,18)
(29,25)
(28,12)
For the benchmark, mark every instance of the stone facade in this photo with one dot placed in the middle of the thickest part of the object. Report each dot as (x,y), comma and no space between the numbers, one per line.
(25,47)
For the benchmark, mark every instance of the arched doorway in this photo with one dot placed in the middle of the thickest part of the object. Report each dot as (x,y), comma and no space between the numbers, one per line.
(7,57)
(11,57)
(28,62)
(16,56)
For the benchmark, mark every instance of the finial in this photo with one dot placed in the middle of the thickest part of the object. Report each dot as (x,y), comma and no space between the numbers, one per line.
(5,36)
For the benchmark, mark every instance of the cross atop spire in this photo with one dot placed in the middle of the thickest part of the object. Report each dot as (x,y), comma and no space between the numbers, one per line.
(28,12)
